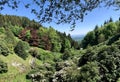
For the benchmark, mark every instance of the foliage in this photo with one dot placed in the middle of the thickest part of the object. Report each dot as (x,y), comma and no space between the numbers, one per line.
(50,39)
(89,39)
(64,11)
(55,40)
(101,38)
(16,30)
(65,45)
(21,49)
(65,72)
(4,50)
(67,54)
(34,52)
(3,67)
(28,34)
(16,21)
(113,39)
(36,35)
(45,56)
(34,75)
(100,35)
(89,72)
(10,39)
(7,42)
(2,30)
(107,58)
(99,62)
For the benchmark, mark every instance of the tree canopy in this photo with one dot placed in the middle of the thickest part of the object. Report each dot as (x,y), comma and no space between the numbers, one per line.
(60,11)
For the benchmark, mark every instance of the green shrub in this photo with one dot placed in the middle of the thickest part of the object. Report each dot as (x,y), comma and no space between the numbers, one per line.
(44,56)
(21,49)
(56,46)
(28,34)
(57,57)
(108,62)
(10,39)
(89,73)
(3,67)
(35,76)
(66,54)
(34,52)
(4,50)
(113,39)
(16,30)
(2,30)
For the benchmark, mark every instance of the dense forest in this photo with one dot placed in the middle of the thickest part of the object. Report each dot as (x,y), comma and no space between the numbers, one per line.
(36,35)
(30,52)
(101,34)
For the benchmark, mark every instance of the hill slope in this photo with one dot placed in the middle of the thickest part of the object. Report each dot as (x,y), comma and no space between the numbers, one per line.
(33,54)
(26,46)
(101,34)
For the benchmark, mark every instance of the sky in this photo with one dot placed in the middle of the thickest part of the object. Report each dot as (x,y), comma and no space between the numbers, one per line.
(96,17)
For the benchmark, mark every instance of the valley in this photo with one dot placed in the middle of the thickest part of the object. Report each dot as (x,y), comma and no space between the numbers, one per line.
(30,52)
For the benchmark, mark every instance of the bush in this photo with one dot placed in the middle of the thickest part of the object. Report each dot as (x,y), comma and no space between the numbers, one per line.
(46,56)
(66,54)
(56,46)
(2,30)
(4,50)
(35,76)
(89,73)
(34,52)
(10,39)
(113,39)
(108,62)
(66,72)
(41,54)
(16,30)
(28,34)
(3,67)
(21,49)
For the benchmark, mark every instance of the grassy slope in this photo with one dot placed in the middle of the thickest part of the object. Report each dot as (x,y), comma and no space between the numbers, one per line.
(14,73)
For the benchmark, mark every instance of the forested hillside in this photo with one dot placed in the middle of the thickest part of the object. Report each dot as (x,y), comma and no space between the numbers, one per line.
(32,53)
(102,33)
(25,46)
(36,35)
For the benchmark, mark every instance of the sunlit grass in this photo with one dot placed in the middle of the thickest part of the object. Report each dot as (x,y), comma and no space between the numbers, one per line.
(14,74)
